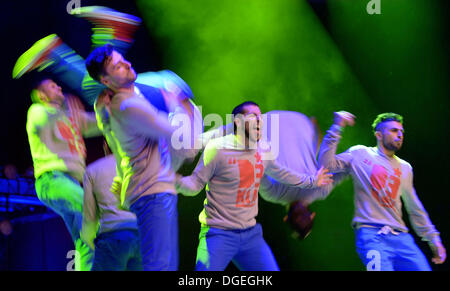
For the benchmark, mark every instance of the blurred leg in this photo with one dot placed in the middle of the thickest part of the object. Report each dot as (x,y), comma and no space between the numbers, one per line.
(64,195)
(373,251)
(216,249)
(408,255)
(254,253)
(157,217)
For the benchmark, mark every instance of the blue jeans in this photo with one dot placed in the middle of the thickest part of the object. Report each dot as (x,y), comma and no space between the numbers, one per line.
(64,195)
(389,252)
(157,218)
(118,250)
(246,248)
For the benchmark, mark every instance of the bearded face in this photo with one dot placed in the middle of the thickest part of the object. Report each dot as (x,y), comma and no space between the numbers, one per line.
(253,123)
(119,72)
(391,135)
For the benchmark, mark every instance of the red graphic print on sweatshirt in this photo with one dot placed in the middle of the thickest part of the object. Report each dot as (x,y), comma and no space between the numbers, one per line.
(385,186)
(71,133)
(249,180)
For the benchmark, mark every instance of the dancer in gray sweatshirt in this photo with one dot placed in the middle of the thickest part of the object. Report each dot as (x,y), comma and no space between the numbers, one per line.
(380,178)
(231,167)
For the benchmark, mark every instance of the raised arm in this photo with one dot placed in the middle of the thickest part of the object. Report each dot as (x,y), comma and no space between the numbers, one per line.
(189,127)
(327,151)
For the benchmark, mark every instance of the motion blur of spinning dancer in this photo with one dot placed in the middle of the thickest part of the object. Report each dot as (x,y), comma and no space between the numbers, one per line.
(300,219)
(56,125)
(53,56)
(57,122)
(297,137)
(140,120)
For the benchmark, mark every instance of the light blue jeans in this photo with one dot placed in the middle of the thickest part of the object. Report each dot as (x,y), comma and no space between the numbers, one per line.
(389,252)
(64,195)
(157,217)
(246,248)
(118,250)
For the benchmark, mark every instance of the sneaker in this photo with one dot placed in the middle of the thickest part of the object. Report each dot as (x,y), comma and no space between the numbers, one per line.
(36,56)
(109,23)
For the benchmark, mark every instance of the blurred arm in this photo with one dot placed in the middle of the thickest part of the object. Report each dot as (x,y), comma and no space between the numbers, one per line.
(193,184)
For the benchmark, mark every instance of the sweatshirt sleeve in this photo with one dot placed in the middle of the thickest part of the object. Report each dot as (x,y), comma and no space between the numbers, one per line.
(418,216)
(327,152)
(37,117)
(287,176)
(204,171)
(183,141)
(88,125)
(144,119)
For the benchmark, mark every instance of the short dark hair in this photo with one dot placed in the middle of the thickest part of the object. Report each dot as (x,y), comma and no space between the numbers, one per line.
(95,62)
(385,117)
(240,110)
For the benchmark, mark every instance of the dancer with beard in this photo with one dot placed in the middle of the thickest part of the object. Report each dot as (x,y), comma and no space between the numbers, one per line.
(380,178)
(231,167)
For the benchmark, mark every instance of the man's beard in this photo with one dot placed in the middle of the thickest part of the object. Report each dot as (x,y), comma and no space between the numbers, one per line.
(130,78)
(128,81)
(391,146)
(133,75)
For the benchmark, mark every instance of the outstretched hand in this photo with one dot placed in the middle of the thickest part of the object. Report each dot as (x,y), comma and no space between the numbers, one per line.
(104,98)
(323,177)
(439,253)
(174,97)
(344,118)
